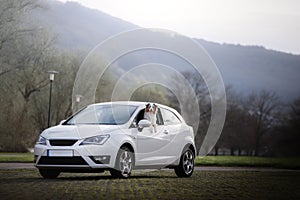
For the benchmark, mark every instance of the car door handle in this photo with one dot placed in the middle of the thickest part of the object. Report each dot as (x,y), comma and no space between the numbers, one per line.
(166,132)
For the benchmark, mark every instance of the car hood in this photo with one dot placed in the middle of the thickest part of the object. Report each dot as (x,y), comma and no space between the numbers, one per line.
(79,131)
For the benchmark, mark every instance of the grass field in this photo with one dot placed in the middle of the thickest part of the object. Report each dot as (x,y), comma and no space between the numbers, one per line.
(27,184)
(16,157)
(290,163)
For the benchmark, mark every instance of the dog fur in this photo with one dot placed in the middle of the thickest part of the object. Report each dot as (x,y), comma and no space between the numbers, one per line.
(150,114)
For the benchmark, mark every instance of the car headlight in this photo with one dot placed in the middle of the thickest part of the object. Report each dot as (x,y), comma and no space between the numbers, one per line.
(42,140)
(99,139)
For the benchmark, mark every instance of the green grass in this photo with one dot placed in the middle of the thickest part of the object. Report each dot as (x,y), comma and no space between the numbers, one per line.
(242,161)
(16,157)
(246,161)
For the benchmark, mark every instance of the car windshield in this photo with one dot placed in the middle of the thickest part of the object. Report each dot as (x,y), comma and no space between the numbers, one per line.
(103,114)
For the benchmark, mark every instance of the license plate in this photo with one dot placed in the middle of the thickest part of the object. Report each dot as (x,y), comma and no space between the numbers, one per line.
(60,153)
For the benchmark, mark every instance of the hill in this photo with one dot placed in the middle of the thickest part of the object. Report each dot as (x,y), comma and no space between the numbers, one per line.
(246,68)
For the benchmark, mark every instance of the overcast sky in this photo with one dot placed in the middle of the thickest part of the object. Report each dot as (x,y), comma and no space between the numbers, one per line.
(274,24)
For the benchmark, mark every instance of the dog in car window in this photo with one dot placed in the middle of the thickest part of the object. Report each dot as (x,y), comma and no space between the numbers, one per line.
(150,114)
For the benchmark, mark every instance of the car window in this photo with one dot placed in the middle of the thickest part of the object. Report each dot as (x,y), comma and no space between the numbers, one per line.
(169,118)
(137,118)
(103,114)
(140,116)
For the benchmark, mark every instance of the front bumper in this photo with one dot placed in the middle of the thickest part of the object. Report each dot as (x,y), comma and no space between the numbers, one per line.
(75,156)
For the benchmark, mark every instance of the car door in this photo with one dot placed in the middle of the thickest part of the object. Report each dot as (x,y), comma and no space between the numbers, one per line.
(151,145)
(172,130)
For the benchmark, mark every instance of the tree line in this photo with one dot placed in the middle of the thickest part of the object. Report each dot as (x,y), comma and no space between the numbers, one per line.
(257,124)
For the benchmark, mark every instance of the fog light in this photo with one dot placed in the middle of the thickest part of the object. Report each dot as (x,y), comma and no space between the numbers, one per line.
(100,159)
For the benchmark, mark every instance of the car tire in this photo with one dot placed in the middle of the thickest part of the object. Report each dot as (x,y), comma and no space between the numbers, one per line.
(49,173)
(186,164)
(124,163)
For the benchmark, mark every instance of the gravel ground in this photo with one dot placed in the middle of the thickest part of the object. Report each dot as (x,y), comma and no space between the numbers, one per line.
(204,184)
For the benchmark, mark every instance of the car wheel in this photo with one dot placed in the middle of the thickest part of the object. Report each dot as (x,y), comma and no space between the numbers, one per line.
(49,173)
(186,164)
(124,163)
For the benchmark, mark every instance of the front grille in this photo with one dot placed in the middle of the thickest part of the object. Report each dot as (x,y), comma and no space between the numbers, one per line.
(62,142)
(77,160)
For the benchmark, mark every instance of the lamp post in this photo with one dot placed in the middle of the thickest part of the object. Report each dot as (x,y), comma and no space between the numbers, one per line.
(77,98)
(52,74)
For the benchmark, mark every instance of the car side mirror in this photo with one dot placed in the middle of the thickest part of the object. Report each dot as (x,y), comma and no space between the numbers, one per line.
(143,124)
(62,121)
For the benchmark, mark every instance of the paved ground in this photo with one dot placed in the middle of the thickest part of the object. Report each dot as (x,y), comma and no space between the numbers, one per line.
(16,182)
(16,166)
(202,168)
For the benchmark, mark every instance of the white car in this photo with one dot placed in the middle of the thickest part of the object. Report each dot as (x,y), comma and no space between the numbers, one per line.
(115,136)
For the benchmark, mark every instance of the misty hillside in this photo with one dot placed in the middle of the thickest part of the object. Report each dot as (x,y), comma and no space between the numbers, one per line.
(251,68)
(78,27)
(246,68)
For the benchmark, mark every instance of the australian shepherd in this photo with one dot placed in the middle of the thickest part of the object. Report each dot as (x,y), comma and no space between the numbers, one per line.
(150,114)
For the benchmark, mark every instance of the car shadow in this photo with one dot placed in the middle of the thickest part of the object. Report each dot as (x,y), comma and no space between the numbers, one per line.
(108,177)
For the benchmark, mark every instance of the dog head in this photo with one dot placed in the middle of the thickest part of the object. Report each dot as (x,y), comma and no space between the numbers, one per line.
(151,108)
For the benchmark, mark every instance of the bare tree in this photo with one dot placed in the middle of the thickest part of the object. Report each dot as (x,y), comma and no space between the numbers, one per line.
(263,108)
(25,53)
(199,121)
(234,135)
(151,93)
(285,137)
(13,28)
(67,66)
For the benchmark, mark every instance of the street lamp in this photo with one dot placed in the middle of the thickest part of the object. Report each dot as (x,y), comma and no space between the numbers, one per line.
(78,98)
(52,74)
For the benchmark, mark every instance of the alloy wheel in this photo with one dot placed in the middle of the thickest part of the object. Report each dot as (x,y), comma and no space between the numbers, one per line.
(125,163)
(188,162)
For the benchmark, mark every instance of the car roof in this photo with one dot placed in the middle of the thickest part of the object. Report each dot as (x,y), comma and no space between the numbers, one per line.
(139,104)
(131,103)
